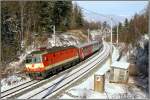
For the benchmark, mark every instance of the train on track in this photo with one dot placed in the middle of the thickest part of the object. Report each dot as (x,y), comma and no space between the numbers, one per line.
(46,62)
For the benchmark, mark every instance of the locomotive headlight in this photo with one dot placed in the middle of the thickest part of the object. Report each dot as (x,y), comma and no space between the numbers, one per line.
(38,66)
(27,66)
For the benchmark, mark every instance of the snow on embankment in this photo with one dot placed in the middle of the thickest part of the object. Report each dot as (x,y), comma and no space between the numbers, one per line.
(71,37)
(12,77)
(63,40)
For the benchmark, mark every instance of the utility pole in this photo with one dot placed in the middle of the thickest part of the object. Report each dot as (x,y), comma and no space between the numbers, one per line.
(111,40)
(88,35)
(117,35)
(22,17)
(0,41)
(22,22)
(149,20)
(54,35)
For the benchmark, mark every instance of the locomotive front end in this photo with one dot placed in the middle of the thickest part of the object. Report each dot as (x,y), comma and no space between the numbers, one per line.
(34,65)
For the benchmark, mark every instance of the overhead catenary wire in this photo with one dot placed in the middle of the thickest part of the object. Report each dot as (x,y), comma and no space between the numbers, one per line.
(99,14)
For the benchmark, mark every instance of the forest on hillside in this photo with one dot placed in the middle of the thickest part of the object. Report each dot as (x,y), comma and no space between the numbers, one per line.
(22,20)
(131,30)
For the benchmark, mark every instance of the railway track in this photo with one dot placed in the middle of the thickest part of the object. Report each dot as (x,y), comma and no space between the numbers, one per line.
(17,88)
(23,88)
(25,82)
(51,89)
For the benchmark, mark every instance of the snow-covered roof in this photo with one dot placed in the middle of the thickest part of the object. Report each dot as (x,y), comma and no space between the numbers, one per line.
(123,65)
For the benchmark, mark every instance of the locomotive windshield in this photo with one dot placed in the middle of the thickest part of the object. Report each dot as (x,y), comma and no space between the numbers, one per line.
(36,60)
(33,59)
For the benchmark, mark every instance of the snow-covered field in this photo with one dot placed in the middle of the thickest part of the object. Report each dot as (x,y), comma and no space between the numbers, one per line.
(112,90)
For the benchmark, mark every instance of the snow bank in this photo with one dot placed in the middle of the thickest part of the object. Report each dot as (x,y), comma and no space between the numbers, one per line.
(85,89)
(83,94)
(12,81)
(115,54)
(63,40)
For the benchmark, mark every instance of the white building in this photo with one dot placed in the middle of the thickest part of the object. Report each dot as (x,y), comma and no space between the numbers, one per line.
(119,72)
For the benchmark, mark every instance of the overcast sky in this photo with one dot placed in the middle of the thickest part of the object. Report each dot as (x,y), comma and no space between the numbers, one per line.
(116,8)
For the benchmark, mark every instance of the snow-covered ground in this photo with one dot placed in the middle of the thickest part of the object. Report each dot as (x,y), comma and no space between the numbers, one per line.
(13,81)
(63,40)
(112,90)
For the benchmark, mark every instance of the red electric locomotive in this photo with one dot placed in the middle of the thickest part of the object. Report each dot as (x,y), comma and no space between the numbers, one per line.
(45,62)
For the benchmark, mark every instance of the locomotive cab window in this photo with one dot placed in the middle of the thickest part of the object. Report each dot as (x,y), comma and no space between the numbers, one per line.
(29,60)
(36,59)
